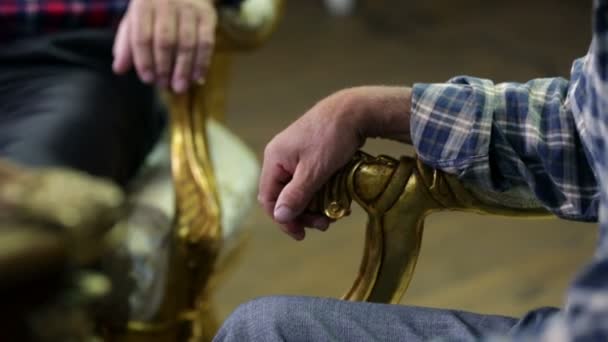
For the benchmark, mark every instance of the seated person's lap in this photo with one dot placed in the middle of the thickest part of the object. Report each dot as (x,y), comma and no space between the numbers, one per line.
(325,319)
(61,105)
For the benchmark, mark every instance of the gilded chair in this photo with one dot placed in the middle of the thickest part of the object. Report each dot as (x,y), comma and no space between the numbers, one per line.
(398,194)
(182,229)
(162,245)
(55,226)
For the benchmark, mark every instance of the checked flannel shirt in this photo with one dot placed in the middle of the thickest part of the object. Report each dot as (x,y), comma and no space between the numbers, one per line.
(549,135)
(27,18)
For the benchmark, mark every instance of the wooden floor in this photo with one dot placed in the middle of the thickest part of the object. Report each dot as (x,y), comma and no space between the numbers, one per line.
(485,264)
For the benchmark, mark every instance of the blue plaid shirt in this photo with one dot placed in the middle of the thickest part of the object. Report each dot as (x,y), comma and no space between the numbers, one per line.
(549,135)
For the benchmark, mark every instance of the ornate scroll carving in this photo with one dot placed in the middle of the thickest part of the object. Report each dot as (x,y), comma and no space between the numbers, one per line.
(397,196)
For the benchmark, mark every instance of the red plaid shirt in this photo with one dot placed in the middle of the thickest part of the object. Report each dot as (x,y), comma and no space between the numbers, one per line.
(25,18)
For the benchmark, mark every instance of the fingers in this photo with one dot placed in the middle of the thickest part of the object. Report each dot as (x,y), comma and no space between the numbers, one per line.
(169,42)
(296,195)
(320,222)
(165,42)
(186,47)
(141,42)
(273,179)
(204,45)
(273,184)
(123,59)
(296,228)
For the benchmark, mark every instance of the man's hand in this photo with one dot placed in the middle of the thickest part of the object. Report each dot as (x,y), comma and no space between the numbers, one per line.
(299,160)
(168,41)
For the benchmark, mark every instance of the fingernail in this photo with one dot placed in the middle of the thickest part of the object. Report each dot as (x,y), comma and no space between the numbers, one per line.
(284,214)
(147,76)
(180,85)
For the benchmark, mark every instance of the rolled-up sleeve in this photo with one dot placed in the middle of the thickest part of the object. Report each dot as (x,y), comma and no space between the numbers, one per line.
(501,136)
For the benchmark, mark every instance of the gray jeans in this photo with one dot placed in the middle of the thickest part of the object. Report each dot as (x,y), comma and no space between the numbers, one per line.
(321,319)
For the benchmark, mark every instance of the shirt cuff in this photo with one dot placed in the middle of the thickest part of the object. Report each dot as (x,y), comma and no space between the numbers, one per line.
(451,126)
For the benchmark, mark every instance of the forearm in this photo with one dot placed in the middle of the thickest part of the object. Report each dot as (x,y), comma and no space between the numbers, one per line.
(383,111)
(498,137)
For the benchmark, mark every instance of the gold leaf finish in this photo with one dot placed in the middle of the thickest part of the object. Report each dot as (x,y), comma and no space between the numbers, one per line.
(197,231)
(186,312)
(397,196)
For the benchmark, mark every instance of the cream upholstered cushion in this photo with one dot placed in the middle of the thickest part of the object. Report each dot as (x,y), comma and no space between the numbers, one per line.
(236,172)
(148,225)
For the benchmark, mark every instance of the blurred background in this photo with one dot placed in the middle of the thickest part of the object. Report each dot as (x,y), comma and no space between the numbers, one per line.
(483,264)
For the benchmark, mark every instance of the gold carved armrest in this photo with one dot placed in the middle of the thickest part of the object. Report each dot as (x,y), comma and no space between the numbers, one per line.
(397,196)
(196,234)
(197,226)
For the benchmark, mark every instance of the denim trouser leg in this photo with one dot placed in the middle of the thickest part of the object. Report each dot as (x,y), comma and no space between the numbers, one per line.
(319,319)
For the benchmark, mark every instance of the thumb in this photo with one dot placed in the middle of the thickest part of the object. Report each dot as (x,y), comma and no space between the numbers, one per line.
(296,195)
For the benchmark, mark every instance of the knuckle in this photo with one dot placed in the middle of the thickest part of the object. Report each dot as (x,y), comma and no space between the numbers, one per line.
(165,42)
(187,46)
(179,74)
(188,7)
(180,71)
(269,150)
(206,43)
(187,35)
(167,6)
(294,198)
(143,40)
(144,66)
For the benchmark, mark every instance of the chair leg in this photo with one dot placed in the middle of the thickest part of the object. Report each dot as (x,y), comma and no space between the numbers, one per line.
(206,324)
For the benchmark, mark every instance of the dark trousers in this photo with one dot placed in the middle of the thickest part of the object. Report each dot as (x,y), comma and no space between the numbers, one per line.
(62,106)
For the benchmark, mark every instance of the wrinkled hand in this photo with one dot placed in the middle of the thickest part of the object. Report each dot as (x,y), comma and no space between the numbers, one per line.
(168,41)
(299,160)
